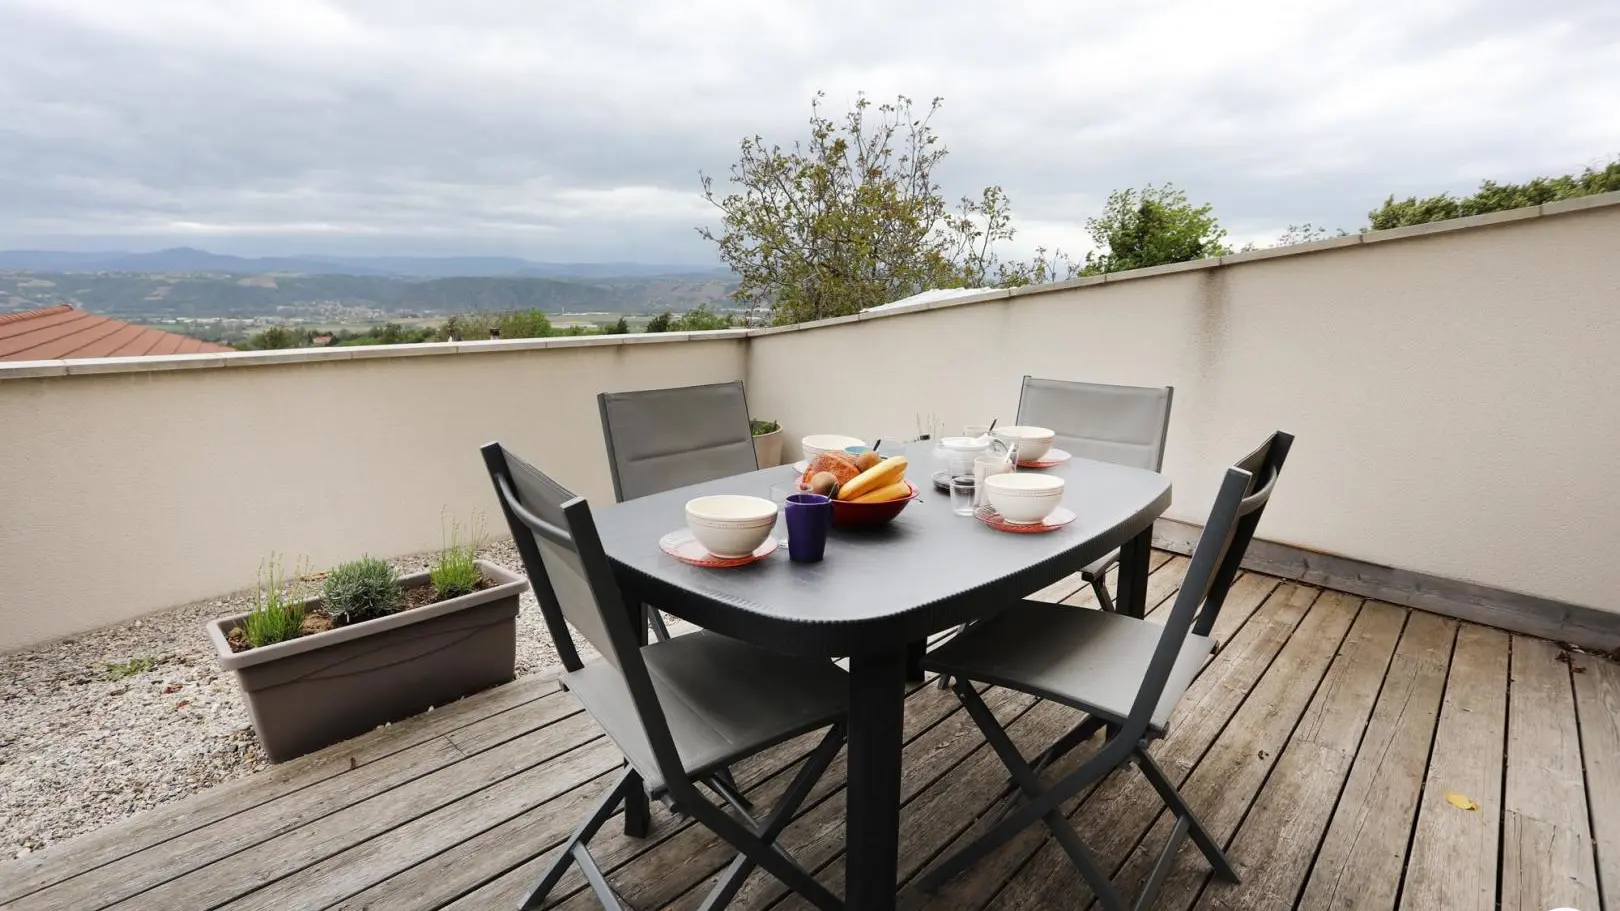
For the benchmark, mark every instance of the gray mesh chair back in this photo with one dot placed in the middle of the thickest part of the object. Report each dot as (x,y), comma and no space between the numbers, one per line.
(660,439)
(700,715)
(1265,464)
(556,537)
(1243,496)
(1125,425)
(1126,673)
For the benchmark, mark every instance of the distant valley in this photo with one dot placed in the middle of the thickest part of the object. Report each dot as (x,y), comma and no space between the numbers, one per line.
(198,284)
(190,259)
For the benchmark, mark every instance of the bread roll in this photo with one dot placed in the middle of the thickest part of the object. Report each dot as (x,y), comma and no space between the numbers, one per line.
(841,465)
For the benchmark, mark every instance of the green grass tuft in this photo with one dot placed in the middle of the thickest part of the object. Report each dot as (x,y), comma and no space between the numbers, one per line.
(278,612)
(456,572)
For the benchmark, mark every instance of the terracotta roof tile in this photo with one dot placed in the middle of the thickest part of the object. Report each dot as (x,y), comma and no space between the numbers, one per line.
(54,333)
(168,344)
(53,316)
(34,314)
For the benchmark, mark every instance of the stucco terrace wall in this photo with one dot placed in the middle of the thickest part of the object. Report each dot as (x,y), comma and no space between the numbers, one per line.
(1454,388)
(128,486)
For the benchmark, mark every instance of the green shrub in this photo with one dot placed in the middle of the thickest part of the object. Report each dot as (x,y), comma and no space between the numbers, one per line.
(362,590)
(762,427)
(278,613)
(456,573)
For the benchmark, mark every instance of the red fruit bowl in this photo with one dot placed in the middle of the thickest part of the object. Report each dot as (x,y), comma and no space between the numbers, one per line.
(848,515)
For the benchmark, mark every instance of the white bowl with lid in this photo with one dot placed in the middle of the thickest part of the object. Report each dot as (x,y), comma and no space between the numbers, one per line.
(730,525)
(1024,498)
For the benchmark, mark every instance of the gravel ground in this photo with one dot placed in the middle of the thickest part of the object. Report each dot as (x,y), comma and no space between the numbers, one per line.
(84,743)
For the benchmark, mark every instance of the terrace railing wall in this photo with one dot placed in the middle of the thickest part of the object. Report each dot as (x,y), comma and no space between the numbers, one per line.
(1453,387)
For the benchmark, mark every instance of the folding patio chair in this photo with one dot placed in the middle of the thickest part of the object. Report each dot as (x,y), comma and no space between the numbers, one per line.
(1126,425)
(1126,674)
(661,439)
(681,710)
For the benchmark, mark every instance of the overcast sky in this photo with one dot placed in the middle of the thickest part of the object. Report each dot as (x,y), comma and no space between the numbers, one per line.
(576,130)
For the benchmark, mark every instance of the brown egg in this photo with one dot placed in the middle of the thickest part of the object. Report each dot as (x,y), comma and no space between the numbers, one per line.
(824,483)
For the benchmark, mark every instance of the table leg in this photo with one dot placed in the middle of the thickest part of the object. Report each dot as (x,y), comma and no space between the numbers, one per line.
(914,657)
(1130,598)
(872,820)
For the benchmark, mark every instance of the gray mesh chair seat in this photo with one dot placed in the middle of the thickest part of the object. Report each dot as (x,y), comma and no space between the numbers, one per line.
(680,710)
(1086,659)
(1126,673)
(724,700)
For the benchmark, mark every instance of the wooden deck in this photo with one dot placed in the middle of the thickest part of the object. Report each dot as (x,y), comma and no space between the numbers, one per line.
(1351,753)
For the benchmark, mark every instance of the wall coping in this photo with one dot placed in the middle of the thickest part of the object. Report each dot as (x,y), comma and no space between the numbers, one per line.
(13,370)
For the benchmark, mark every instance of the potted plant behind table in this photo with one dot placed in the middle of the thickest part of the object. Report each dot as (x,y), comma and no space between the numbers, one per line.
(372,648)
(767,442)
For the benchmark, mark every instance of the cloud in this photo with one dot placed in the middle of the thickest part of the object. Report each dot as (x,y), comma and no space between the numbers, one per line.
(577,130)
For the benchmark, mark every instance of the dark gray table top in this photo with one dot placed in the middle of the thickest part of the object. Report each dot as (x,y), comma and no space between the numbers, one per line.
(928,570)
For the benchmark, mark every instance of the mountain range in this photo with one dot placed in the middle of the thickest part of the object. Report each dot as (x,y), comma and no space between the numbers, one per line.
(189,259)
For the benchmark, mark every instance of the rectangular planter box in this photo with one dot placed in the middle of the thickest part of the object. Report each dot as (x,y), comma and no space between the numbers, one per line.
(314,691)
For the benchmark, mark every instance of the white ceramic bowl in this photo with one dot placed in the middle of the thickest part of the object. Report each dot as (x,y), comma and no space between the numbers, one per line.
(728,525)
(1032,442)
(817,443)
(1024,498)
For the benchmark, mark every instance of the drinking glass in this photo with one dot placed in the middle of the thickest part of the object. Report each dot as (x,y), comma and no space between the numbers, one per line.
(984,467)
(963,491)
(779,495)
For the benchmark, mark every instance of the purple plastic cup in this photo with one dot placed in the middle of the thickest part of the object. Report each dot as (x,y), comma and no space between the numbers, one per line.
(809,515)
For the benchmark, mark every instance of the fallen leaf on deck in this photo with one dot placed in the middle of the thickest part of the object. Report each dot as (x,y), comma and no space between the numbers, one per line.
(1460,801)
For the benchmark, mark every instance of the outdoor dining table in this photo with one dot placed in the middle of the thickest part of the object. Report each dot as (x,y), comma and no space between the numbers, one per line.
(877,596)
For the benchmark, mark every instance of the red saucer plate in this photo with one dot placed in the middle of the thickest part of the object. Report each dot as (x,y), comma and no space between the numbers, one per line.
(684,547)
(1052,459)
(1059,518)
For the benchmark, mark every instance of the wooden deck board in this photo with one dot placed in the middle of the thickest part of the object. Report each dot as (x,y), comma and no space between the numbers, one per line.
(1319,743)
(1597,692)
(291,852)
(1360,860)
(352,759)
(1546,841)
(1452,862)
(1274,847)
